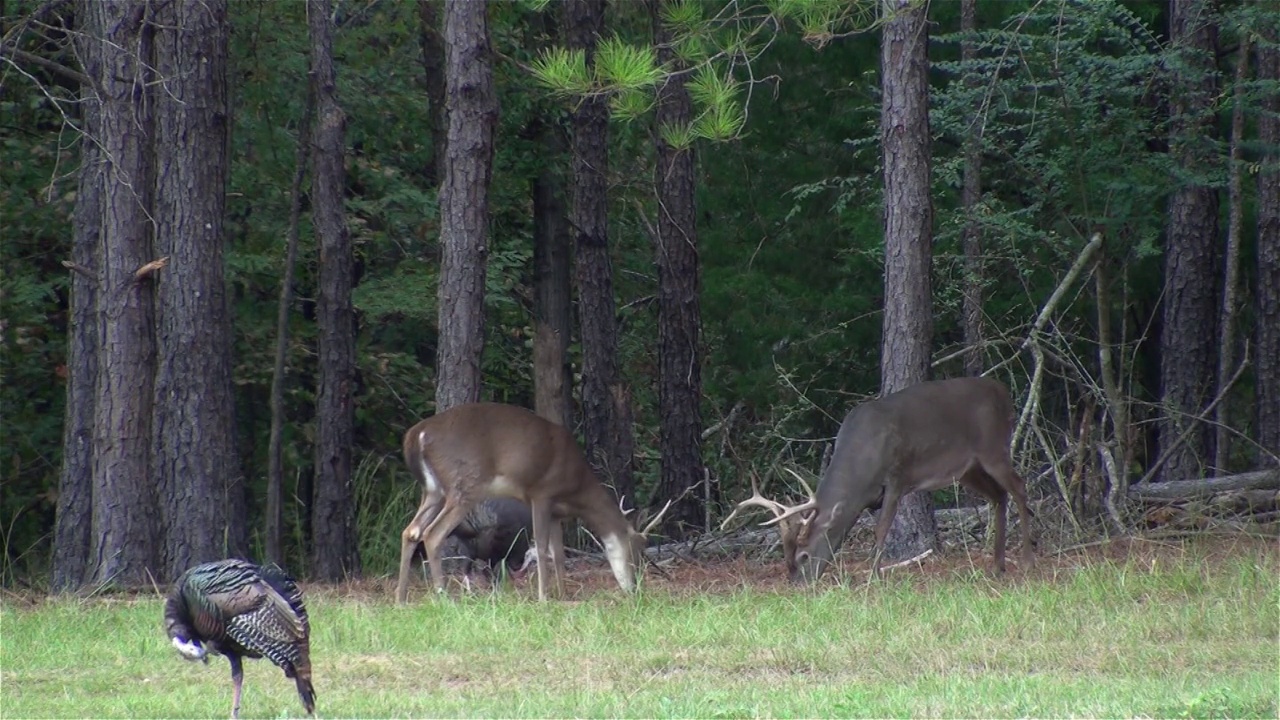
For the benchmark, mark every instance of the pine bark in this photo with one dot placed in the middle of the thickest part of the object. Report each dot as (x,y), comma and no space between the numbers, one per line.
(971,195)
(471,108)
(74,517)
(679,312)
(194,460)
(908,315)
(124,535)
(335,553)
(1188,337)
(433,77)
(1267,294)
(606,402)
(552,272)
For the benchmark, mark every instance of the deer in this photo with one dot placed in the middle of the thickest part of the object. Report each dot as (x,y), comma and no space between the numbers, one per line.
(476,451)
(921,438)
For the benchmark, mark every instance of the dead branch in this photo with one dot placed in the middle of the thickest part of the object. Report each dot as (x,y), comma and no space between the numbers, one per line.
(80,270)
(150,268)
(1202,487)
(1037,328)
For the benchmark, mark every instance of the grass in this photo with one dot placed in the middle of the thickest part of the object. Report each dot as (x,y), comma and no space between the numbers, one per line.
(1180,634)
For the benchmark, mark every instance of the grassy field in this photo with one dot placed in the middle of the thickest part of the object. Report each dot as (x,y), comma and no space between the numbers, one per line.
(1159,631)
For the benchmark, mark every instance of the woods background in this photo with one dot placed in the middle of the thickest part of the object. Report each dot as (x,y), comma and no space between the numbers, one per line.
(246,244)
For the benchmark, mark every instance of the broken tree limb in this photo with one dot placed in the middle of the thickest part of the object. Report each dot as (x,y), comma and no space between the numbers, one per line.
(1204,487)
(150,268)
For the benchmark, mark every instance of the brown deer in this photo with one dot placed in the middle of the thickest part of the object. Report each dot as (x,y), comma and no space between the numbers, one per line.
(481,450)
(925,437)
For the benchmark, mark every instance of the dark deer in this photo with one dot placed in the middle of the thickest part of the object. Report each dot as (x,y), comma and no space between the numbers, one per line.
(495,535)
(477,451)
(925,437)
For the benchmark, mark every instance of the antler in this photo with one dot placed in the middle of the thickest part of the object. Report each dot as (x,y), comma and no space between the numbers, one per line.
(756,500)
(656,519)
(806,506)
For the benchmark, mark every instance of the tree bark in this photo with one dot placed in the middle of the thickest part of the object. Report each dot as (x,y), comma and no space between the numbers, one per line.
(274,526)
(124,536)
(1267,294)
(1188,337)
(971,195)
(552,263)
(335,555)
(1231,273)
(606,403)
(193,452)
(75,482)
(908,207)
(472,112)
(433,75)
(679,314)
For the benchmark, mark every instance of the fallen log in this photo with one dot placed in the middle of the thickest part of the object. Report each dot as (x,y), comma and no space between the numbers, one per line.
(1204,487)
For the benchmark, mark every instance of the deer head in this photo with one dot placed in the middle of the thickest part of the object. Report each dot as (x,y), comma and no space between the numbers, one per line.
(794,522)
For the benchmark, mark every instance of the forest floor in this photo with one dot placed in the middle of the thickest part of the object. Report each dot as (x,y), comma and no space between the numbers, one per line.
(720,574)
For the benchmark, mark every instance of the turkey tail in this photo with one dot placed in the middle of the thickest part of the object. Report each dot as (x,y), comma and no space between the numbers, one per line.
(305,690)
(301,672)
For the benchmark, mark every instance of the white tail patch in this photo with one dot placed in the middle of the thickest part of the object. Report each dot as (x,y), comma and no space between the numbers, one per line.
(433,484)
(617,551)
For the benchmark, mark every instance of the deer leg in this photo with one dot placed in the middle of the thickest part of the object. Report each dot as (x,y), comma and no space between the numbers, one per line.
(888,509)
(1000,507)
(978,480)
(437,532)
(1004,475)
(542,543)
(409,539)
(556,550)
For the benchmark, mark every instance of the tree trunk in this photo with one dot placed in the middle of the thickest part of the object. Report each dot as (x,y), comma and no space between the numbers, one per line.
(274,530)
(75,483)
(606,403)
(193,452)
(552,260)
(1231,273)
(679,315)
(1188,338)
(908,315)
(433,75)
(471,108)
(1266,366)
(125,507)
(335,555)
(971,195)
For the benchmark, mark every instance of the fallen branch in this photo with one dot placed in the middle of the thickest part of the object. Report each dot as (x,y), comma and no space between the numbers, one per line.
(1204,487)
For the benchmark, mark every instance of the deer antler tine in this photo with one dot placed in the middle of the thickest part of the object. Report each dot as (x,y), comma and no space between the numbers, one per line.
(656,519)
(797,475)
(803,507)
(756,500)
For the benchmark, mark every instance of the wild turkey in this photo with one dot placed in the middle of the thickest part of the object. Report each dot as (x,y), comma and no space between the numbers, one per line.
(238,609)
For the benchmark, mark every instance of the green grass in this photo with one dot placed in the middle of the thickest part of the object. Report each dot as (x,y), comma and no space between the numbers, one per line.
(1183,635)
